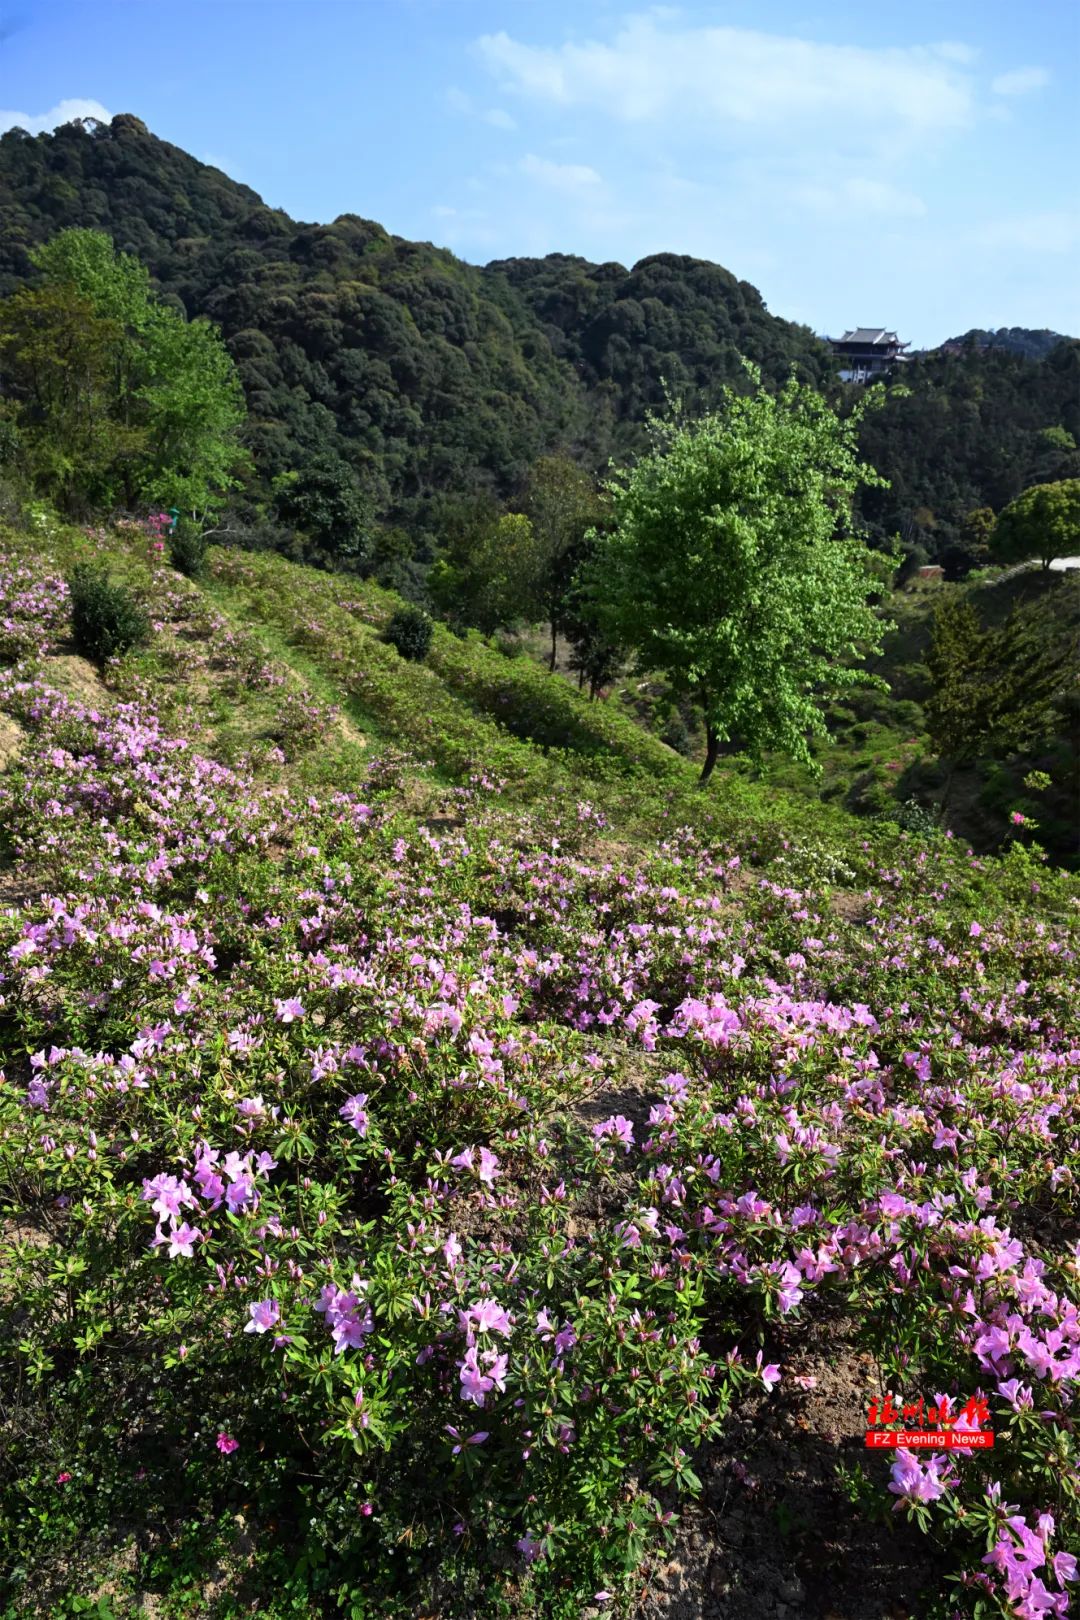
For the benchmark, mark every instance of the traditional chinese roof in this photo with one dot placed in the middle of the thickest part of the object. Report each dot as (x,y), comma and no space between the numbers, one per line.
(871,336)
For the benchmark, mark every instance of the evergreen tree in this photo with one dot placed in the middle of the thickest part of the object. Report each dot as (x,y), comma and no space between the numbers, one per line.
(994,689)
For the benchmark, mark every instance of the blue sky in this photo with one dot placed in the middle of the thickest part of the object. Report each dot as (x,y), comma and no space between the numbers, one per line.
(912,165)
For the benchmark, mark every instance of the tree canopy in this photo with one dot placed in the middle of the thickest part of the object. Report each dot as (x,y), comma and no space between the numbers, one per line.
(562,504)
(1043,522)
(731,566)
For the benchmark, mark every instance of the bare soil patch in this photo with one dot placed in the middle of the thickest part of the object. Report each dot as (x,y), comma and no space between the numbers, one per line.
(774,1536)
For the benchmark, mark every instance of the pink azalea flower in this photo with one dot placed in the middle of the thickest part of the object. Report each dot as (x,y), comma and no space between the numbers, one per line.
(226,1444)
(354,1113)
(265,1314)
(770,1375)
(181,1239)
(489,1166)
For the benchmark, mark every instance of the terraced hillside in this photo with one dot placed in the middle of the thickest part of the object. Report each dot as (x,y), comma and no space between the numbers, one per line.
(451,1166)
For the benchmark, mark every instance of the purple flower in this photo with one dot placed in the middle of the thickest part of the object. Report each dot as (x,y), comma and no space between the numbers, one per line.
(770,1375)
(167,1196)
(226,1444)
(180,1240)
(912,1483)
(287,1011)
(474,1383)
(476,1439)
(239,1194)
(353,1111)
(486,1316)
(265,1314)
(565,1340)
(618,1128)
(489,1166)
(348,1316)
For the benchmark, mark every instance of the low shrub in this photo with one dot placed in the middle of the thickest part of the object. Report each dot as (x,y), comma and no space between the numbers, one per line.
(105,618)
(187,549)
(914,817)
(410,631)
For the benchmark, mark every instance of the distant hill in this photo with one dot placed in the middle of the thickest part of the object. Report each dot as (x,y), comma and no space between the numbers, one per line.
(440,382)
(435,378)
(1033,345)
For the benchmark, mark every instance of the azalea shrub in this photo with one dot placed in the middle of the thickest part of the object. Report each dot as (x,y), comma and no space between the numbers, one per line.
(422,1195)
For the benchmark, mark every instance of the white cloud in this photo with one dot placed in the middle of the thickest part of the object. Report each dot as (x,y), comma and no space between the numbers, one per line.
(953,51)
(741,78)
(569,177)
(500,119)
(62,113)
(857,197)
(1020,81)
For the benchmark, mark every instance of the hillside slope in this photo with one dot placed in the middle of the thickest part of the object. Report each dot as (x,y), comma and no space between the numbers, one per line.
(418,1180)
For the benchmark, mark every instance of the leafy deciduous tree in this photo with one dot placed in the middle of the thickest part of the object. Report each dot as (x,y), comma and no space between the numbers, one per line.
(1043,522)
(731,566)
(491,578)
(561,503)
(121,399)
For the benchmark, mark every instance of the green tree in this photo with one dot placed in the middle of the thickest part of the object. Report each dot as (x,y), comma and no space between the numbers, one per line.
(958,709)
(124,399)
(1055,457)
(731,566)
(491,578)
(993,689)
(562,505)
(57,360)
(1043,522)
(327,503)
(191,401)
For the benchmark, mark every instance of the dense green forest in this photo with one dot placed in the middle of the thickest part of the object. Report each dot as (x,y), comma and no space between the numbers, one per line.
(390,379)
(1033,343)
(427,377)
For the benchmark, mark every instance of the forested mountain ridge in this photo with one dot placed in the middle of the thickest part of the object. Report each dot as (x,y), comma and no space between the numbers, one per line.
(961,437)
(411,384)
(1034,343)
(430,376)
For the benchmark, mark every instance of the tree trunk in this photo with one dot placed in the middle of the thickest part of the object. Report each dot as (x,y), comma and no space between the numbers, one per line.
(950,772)
(712,754)
(551,661)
